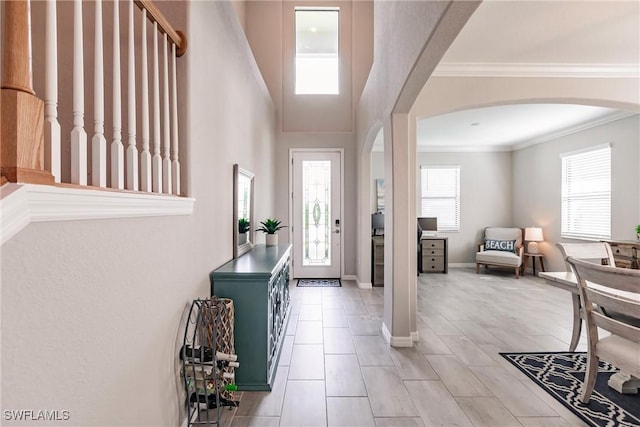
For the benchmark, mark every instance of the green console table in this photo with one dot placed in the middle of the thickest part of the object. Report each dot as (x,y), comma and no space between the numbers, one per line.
(258,284)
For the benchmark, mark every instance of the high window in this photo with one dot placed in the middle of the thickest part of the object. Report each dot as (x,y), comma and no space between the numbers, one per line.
(586,193)
(440,191)
(317,57)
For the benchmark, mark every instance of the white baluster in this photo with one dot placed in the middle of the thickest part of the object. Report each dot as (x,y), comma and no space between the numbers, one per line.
(78,134)
(132,150)
(157,160)
(145,158)
(166,161)
(175,170)
(117,149)
(98,142)
(51,124)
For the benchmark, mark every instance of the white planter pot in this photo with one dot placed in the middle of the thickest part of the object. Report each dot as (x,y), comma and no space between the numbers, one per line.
(242,238)
(272,239)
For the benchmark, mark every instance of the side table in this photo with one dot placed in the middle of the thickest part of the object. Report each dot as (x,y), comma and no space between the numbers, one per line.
(533,257)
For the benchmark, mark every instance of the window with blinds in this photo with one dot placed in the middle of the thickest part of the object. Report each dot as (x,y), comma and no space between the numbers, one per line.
(586,194)
(440,189)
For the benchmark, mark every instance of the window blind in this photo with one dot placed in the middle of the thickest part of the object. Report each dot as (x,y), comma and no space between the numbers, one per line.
(440,189)
(586,194)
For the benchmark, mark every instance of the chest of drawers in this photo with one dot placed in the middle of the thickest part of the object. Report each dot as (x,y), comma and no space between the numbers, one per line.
(434,254)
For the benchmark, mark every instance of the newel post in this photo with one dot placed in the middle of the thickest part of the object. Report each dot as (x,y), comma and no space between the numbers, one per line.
(22,113)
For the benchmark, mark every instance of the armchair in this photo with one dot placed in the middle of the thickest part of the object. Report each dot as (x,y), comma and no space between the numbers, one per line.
(501,247)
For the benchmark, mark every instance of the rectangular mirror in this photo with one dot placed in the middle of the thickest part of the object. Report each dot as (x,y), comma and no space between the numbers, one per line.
(243,235)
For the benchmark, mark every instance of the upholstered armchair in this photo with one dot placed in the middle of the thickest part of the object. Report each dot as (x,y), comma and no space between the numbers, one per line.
(501,247)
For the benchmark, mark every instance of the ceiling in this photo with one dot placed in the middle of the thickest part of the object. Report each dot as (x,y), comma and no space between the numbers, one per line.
(585,34)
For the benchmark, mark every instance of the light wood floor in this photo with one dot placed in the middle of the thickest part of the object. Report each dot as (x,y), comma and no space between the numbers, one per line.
(336,370)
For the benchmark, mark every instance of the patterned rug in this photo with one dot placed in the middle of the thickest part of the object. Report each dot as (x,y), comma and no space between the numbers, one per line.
(319,283)
(562,374)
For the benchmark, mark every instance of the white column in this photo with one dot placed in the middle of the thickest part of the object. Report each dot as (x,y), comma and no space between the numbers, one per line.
(175,164)
(78,134)
(157,160)
(98,142)
(166,161)
(145,157)
(132,150)
(51,124)
(117,149)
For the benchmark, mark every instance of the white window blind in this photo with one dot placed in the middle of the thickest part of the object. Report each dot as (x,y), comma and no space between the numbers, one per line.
(586,194)
(441,195)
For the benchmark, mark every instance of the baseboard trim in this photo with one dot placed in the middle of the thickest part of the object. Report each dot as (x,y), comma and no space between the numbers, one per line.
(415,336)
(461,265)
(350,277)
(395,341)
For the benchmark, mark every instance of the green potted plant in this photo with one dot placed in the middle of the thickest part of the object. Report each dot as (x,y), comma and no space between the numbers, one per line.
(270,227)
(243,228)
(638,231)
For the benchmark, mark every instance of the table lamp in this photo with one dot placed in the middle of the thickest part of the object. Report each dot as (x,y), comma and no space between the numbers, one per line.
(533,235)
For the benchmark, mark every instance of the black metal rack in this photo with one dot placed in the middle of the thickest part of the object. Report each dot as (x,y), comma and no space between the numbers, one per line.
(207,373)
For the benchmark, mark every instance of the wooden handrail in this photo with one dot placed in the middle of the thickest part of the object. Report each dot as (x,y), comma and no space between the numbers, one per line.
(164,25)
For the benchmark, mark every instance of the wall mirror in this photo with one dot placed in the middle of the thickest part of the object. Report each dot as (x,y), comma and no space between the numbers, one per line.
(243,221)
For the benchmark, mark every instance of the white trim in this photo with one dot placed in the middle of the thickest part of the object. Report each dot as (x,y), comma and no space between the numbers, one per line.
(575,129)
(415,336)
(464,148)
(395,341)
(514,69)
(25,203)
(461,264)
(585,150)
(363,285)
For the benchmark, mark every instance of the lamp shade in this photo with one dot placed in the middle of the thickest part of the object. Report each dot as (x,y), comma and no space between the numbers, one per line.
(533,234)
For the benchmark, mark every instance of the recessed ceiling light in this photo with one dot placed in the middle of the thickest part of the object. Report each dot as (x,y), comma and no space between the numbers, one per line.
(475,124)
(313,29)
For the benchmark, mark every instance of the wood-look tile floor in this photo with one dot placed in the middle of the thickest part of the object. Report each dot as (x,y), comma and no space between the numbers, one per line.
(336,370)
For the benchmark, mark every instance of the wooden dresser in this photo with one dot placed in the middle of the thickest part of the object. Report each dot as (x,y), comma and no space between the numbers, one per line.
(258,284)
(434,254)
(625,253)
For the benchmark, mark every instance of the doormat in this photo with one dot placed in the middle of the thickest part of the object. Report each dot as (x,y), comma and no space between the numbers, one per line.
(562,374)
(319,283)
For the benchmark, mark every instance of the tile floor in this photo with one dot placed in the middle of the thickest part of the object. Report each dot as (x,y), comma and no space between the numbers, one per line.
(336,370)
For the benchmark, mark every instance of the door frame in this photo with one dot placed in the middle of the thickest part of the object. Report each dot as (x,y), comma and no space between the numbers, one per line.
(340,151)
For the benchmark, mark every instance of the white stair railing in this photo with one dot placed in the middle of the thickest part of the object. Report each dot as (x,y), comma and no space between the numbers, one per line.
(136,168)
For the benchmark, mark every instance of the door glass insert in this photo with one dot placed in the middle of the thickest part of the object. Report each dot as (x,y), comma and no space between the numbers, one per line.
(316,212)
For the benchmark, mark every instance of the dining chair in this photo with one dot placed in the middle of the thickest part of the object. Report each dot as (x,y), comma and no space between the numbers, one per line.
(616,289)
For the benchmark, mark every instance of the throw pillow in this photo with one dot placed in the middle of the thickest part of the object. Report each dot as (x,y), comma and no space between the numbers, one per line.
(500,245)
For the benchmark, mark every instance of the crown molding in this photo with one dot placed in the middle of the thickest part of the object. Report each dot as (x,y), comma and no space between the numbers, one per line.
(21,204)
(574,129)
(515,69)
(464,149)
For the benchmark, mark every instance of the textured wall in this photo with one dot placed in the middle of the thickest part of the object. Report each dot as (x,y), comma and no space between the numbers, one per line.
(92,310)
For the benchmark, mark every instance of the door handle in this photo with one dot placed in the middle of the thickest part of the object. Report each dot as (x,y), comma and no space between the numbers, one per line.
(336,231)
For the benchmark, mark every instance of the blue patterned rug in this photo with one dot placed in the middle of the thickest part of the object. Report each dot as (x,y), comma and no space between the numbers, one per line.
(562,374)
(319,283)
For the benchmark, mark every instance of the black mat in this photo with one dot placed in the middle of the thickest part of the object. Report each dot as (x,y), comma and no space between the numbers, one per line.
(562,374)
(319,283)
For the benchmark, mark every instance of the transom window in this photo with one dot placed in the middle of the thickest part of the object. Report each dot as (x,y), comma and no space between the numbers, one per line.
(586,193)
(440,191)
(317,56)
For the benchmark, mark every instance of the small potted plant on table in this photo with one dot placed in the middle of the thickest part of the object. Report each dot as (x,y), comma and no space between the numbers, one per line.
(270,227)
(638,231)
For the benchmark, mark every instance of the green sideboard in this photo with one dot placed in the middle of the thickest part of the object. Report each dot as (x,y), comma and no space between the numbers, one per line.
(258,284)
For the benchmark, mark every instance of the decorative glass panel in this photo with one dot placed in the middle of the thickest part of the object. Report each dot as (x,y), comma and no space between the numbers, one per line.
(316,212)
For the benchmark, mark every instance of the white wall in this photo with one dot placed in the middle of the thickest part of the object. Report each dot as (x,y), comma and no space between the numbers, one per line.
(485,195)
(537,172)
(92,310)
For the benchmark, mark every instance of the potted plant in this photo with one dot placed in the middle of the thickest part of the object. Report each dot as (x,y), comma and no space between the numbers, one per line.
(270,227)
(243,228)
(638,231)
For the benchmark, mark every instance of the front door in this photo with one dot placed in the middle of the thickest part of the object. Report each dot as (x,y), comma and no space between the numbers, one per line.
(316,215)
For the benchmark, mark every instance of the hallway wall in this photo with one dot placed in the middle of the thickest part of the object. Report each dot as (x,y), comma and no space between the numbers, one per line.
(92,311)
